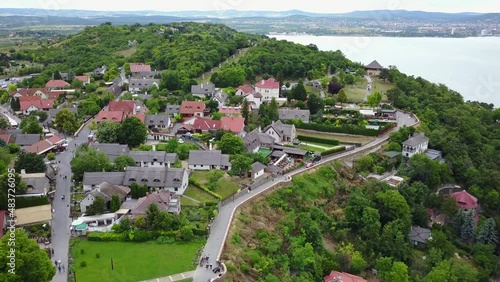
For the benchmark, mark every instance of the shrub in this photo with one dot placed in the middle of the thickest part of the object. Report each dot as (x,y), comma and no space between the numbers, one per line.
(333,150)
(104,236)
(83,264)
(202,187)
(333,142)
(97,255)
(82,251)
(165,240)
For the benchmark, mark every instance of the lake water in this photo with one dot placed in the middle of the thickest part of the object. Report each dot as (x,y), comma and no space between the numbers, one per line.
(470,66)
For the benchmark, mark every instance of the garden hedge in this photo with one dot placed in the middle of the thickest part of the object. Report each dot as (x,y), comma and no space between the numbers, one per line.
(333,142)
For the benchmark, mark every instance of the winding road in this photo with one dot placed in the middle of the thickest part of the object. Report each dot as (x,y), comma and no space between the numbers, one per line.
(222,223)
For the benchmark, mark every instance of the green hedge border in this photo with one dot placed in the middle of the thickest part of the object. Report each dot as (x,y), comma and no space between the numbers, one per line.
(333,142)
(333,150)
(202,187)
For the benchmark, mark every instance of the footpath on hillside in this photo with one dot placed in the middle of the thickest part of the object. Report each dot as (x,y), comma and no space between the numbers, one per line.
(205,78)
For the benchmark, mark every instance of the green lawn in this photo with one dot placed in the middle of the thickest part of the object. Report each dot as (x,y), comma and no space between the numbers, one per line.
(227,185)
(380,85)
(132,261)
(199,195)
(188,202)
(310,148)
(356,91)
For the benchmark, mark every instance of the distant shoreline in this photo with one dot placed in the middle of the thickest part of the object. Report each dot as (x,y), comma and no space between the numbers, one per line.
(381,36)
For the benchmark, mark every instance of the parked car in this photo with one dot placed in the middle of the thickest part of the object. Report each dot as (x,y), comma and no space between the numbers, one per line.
(309,165)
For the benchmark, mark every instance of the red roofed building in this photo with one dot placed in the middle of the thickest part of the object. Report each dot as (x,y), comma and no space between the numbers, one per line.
(233,124)
(232,111)
(7,138)
(116,116)
(29,98)
(56,84)
(127,107)
(139,67)
(193,109)
(83,78)
(42,92)
(35,104)
(268,89)
(141,117)
(54,94)
(336,276)
(465,201)
(204,125)
(244,90)
(44,146)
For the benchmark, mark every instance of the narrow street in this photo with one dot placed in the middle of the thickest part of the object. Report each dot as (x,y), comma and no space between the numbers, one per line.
(368,87)
(61,220)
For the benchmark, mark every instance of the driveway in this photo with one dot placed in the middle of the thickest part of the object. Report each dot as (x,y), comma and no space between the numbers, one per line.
(61,220)
(368,87)
(221,224)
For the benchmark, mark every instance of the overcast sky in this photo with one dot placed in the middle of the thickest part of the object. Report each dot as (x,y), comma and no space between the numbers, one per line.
(323,6)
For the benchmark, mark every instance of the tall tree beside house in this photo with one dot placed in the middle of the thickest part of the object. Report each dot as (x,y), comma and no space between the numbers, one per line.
(273,110)
(374,99)
(342,97)
(97,207)
(231,144)
(88,159)
(138,191)
(487,233)
(107,132)
(245,111)
(30,125)
(467,230)
(4,123)
(315,103)
(240,164)
(30,162)
(115,203)
(299,92)
(122,162)
(32,263)
(15,105)
(56,75)
(65,121)
(132,132)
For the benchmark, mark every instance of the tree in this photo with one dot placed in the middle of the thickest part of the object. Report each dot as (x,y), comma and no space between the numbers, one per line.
(123,161)
(398,273)
(4,187)
(392,205)
(231,144)
(487,234)
(186,233)
(245,110)
(40,115)
(30,125)
(183,150)
(93,125)
(32,264)
(449,207)
(15,105)
(213,177)
(342,97)
(299,92)
(334,88)
(315,103)
(88,159)
(468,228)
(171,80)
(365,164)
(374,99)
(76,84)
(97,207)
(171,145)
(11,88)
(30,162)
(4,123)
(88,107)
(324,82)
(107,132)
(441,242)
(348,79)
(138,191)
(115,203)
(132,132)
(111,74)
(51,156)
(153,217)
(396,232)
(66,122)
(240,164)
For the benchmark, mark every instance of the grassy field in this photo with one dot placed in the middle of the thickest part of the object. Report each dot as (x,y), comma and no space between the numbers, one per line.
(227,185)
(199,195)
(132,261)
(188,202)
(128,52)
(356,91)
(343,138)
(381,86)
(208,74)
(310,148)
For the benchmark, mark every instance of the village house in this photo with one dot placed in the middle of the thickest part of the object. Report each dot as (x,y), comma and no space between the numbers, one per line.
(46,145)
(255,140)
(465,202)
(30,104)
(232,111)
(33,215)
(111,150)
(281,132)
(93,180)
(83,78)
(207,160)
(26,140)
(153,158)
(139,67)
(127,107)
(158,121)
(220,97)
(254,98)
(286,114)
(99,72)
(204,90)
(158,178)
(373,68)
(257,170)
(143,84)
(114,116)
(269,89)
(234,124)
(420,236)
(194,109)
(106,191)
(336,276)
(165,200)
(417,144)
(146,74)
(23,92)
(159,136)
(37,184)
(200,125)
(56,84)
(173,109)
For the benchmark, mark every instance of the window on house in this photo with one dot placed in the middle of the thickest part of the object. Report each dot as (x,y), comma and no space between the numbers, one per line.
(176,189)
(132,180)
(144,180)
(156,180)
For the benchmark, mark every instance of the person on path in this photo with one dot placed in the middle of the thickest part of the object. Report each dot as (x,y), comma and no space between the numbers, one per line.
(63,268)
(59,269)
(210,266)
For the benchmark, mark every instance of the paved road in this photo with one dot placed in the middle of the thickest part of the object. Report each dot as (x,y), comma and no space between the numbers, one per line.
(221,224)
(6,112)
(368,87)
(60,219)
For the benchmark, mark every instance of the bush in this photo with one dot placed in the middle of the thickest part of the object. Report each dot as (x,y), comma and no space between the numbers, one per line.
(97,255)
(51,156)
(82,251)
(333,142)
(83,264)
(332,151)
(26,202)
(162,240)
(104,236)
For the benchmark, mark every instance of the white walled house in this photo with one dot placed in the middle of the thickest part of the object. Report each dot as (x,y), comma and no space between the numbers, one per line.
(281,132)
(257,170)
(208,160)
(158,178)
(417,144)
(153,158)
(268,89)
(93,180)
(106,191)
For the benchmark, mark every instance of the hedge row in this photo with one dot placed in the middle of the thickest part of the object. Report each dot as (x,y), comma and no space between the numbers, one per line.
(26,202)
(333,142)
(202,187)
(138,235)
(344,129)
(333,150)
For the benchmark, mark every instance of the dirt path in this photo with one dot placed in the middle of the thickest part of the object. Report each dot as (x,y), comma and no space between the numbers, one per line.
(205,78)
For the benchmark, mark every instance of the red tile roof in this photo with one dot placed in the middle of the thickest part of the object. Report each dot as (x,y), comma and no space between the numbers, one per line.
(139,67)
(230,110)
(465,200)
(206,124)
(55,139)
(234,124)
(39,104)
(116,116)
(191,107)
(245,88)
(43,146)
(268,84)
(30,98)
(345,277)
(54,94)
(6,137)
(28,91)
(83,78)
(141,117)
(56,83)
(125,106)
